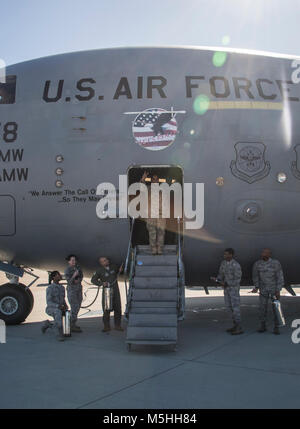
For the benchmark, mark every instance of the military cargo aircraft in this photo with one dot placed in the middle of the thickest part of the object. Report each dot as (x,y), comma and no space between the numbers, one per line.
(223,117)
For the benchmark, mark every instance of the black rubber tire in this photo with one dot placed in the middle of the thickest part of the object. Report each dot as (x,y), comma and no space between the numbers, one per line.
(24,303)
(29,293)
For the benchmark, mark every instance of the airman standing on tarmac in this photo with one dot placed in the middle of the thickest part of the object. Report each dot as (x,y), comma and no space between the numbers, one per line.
(56,305)
(268,279)
(107,276)
(229,277)
(74,276)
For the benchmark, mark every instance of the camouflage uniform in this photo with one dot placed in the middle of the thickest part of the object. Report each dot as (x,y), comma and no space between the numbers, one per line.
(156,229)
(230,272)
(109,274)
(55,296)
(156,225)
(268,278)
(74,292)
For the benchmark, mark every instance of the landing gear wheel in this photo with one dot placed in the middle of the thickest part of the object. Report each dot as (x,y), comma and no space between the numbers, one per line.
(15,303)
(29,293)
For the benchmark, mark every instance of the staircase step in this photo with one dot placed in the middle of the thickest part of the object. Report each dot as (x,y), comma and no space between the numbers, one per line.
(152,333)
(153,304)
(151,342)
(154,295)
(153,310)
(155,282)
(146,249)
(152,314)
(156,260)
(157,320)
(153,271)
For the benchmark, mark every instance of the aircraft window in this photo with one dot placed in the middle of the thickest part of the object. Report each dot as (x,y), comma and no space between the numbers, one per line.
(8,90)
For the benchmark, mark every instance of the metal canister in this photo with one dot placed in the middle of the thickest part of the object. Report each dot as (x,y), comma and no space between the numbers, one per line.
(66,323)
(278,312)
(108,297)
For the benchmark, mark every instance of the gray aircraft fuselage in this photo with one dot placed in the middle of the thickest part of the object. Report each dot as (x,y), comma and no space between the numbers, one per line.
(73,106)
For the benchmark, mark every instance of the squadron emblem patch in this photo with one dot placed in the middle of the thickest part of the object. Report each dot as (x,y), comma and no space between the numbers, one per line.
(250,164)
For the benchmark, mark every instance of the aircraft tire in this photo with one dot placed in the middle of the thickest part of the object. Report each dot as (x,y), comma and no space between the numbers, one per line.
(30,295)
(15,303)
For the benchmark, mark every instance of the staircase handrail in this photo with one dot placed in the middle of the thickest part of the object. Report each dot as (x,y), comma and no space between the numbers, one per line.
(129,247)
(181,272)
(130,258)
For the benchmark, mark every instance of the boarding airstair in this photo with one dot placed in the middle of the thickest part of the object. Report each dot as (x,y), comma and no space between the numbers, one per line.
(155,296)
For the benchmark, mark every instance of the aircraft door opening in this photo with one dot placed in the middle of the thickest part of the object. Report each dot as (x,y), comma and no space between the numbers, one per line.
(166,174)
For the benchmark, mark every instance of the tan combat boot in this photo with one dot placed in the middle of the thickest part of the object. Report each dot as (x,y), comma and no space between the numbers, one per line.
(60,336)
(75,328)
(231,329)
(154,250)
(46,325)
(237,330)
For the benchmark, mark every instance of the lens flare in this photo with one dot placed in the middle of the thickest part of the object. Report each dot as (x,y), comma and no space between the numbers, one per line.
(287,123)
(182,156)
(225,40)
(219,58)
(201,104)
(191,128)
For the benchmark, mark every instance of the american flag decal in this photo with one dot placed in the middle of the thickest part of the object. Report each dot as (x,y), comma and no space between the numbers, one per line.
(155,129)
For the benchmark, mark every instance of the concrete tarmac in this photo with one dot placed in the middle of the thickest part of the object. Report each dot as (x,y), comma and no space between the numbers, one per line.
(211,369)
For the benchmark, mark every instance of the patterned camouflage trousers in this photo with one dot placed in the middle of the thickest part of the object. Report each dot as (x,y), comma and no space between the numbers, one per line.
(264,297)
(75,299)
(232,302)
(56,313)
(116,308)
(156,229)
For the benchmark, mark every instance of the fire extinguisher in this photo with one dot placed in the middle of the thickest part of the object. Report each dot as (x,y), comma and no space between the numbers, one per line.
(278,311)
(66,323)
